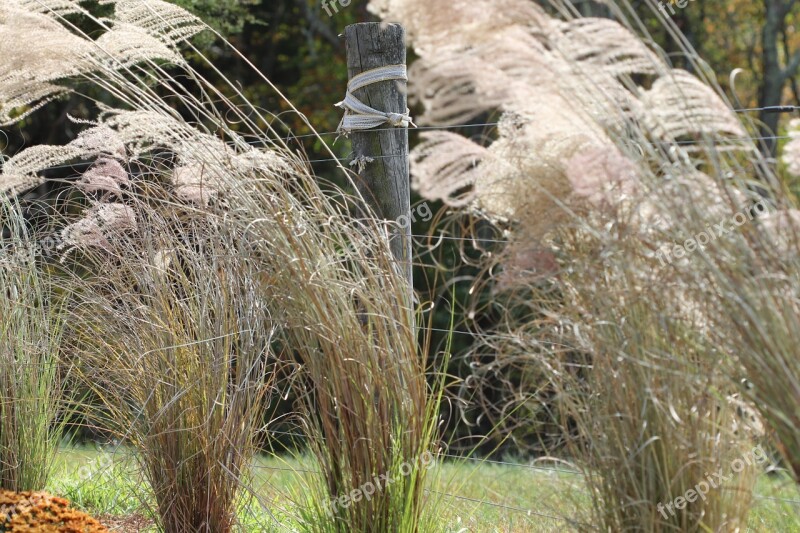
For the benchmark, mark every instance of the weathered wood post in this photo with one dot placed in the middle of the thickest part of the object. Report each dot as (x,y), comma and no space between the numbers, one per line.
(380,153)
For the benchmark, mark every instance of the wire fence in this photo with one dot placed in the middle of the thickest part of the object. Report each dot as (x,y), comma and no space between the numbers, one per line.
(478,462)
(716,141)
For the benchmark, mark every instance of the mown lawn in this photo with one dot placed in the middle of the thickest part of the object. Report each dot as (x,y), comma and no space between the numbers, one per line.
(465,496)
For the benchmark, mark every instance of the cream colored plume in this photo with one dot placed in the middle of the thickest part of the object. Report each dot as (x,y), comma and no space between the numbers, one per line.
(140,31)
(782,229)
(28,71)
(13,184)
(38,50)
(162,20)
(22,169)
(429,24)
(530,185)
(679,106)
(445,166)
(570,86)
(125,45)
(462,81)
(36,158)
(605,44)
(144,131)
(201,177)
(53,8)
(101,140)
(99,227)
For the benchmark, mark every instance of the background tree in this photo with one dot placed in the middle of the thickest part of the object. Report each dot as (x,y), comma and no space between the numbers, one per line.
(759,37)
(780,60)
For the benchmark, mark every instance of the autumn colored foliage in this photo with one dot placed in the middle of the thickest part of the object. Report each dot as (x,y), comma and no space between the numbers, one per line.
(40,512)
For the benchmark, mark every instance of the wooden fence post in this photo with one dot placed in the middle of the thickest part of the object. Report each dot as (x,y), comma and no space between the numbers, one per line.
(383,181)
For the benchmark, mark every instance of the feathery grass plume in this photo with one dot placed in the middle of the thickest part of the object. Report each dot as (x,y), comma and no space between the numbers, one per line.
(53,8)
(162,20)
(30,72)
(241,236)
(105,176)
(698,109)
(455,160)
(605,157)
(140,31)
(14,184)
(36,74)
(100,225)
(565,84)
(190,186)
(32,395)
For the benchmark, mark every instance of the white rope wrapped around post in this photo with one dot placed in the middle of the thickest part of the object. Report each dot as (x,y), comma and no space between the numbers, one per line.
(358,115)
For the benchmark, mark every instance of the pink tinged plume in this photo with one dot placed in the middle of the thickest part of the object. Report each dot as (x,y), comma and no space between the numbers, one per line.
(602,176)
(523,265)
(99,226)
(106,176)
(192,184)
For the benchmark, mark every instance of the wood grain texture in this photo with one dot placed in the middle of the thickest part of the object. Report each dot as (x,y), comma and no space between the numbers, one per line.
(384,183)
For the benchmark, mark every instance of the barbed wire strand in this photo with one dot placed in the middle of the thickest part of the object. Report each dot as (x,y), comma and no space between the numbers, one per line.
(768,109)
(520,465)
(501,506)
(719,141)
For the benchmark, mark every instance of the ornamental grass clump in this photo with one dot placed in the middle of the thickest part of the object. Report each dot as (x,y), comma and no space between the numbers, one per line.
(174,340)
(204,256)
(653,410)
(331,284)
(32,378)
(649,340)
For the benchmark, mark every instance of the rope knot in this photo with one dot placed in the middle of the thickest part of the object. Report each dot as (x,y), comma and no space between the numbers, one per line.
(400,120)
(358,115)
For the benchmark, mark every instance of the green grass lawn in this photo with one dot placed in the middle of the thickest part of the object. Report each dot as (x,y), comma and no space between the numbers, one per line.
(466,496)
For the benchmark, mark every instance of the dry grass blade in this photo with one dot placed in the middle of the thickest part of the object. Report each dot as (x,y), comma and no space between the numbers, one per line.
(31,377)
(190,275)
(176,342)
(608,172)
